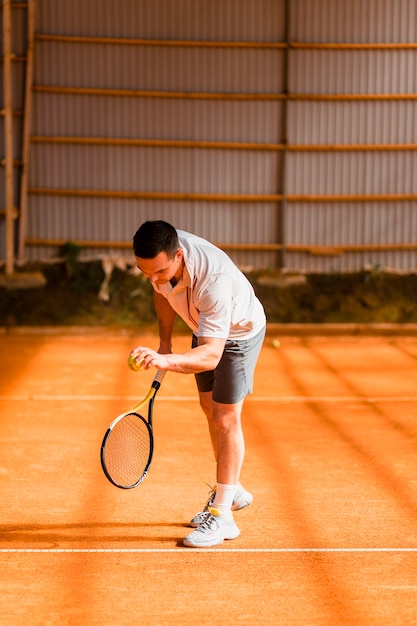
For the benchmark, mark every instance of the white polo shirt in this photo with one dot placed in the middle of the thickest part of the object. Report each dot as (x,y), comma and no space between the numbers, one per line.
(213,297)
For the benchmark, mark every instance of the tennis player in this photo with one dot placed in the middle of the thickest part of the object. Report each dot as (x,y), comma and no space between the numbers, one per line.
(196,280)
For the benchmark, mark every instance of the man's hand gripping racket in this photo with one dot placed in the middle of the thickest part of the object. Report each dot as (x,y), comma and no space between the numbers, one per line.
(127,448)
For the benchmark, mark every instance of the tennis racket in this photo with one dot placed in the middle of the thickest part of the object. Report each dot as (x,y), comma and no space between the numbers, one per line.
(127,448)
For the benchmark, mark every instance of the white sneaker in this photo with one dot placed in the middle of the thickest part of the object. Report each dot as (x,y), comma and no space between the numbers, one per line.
(212,531)
(242,498)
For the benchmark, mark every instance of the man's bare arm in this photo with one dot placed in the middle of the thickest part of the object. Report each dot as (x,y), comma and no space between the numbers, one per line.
(166,320)
(204,357)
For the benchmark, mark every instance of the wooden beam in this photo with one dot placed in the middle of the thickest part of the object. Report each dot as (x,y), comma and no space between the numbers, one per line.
(189,95)
(362,147)
(352,97)
(157,143)
(154,195)
(319,250)
(15,113)
(186,43)
(14,58)
(15,213)
(138,93)
(401,197)
(220,145)
(8,137)
(171,43)
(298,45)
(18,5)
(223,197)
(26,129)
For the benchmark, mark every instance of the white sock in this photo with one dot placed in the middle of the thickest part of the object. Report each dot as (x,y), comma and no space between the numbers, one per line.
(223,499)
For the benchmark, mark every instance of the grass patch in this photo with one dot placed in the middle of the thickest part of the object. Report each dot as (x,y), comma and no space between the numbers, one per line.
(70,297)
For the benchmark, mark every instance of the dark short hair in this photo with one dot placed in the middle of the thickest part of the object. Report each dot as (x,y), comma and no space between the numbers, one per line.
(154,237)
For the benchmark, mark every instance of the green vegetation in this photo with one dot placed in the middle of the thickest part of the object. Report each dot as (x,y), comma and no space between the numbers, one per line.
(70,297)
(361,298)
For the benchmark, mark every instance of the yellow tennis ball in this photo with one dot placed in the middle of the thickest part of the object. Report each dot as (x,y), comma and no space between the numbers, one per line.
(276,343)
(134,364)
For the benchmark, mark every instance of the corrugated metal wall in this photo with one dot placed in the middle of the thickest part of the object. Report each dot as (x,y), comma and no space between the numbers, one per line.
(292,130)
(360,115)
(171,96)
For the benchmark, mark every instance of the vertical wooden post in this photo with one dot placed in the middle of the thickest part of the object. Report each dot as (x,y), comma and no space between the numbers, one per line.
(8,136)
(284,139)
(26,129)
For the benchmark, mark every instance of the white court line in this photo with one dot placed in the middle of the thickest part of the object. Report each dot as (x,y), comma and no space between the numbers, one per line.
(193,550)
(279,399)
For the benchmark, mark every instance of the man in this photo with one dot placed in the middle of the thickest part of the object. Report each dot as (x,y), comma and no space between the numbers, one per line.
(196,280)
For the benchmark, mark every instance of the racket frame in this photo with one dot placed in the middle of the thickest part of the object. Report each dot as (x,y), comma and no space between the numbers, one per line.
(148,399)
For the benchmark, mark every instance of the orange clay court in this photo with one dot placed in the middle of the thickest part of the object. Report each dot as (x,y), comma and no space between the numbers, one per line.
(331,442)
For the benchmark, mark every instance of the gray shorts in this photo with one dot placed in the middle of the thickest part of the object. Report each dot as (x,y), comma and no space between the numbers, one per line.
(232,379)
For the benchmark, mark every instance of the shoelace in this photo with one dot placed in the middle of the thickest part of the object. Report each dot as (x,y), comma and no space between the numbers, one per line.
(212,495)
(207,524)
(205,512)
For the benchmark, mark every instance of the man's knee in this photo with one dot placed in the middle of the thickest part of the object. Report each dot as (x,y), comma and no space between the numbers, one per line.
(226,416)
(206,403)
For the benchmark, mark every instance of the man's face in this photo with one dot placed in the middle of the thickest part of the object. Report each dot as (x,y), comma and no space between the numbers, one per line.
(162,268)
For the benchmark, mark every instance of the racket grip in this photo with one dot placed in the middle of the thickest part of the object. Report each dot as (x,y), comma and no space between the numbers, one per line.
(159,376)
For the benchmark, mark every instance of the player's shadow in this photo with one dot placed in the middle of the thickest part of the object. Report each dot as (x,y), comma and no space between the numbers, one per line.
(86,533)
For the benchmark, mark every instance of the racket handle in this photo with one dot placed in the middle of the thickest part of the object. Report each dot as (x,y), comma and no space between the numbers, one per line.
(159,376)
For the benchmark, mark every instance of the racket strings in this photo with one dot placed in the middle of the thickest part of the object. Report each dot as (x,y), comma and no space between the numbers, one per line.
(128,450)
